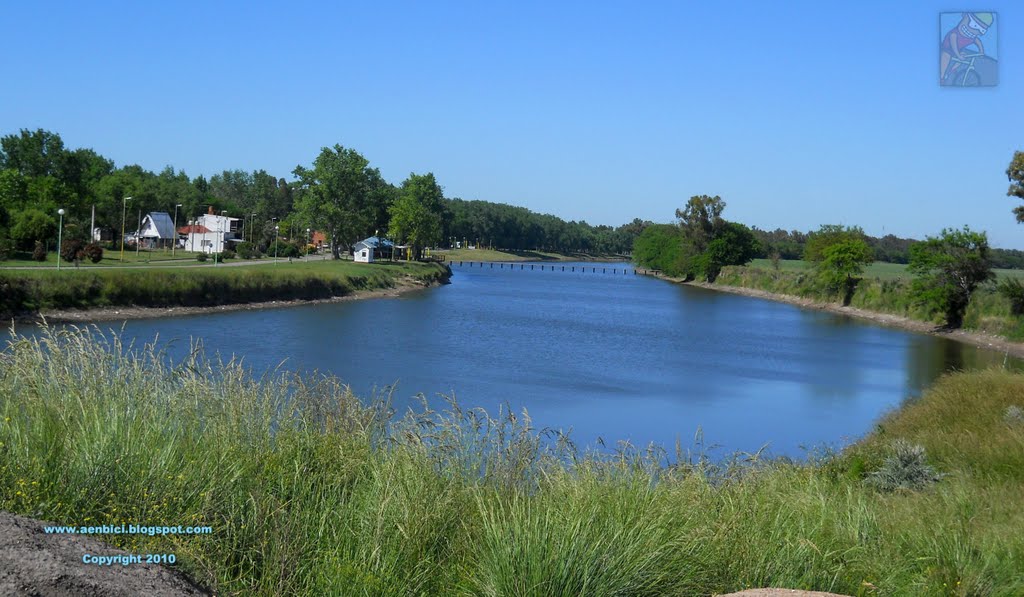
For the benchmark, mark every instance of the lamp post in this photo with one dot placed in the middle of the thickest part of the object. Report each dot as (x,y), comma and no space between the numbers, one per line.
(307,242)
(60,233)
(124,212)
(276,228)
(175,245)
(138,235)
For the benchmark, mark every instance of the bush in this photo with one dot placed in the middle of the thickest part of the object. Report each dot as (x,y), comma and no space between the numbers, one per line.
(93,252)
(284,249)
(227,254)
(1012,289)
(905,469)
(201,257)
(71,249)
(247,251)
(39,252)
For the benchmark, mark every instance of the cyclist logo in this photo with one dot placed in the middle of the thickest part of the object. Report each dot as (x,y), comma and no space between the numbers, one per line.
(968,53)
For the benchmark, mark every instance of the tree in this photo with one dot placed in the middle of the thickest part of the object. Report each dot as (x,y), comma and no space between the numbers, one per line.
(416,214)
(1015,172)
(950,268)
(828,235)
(841,265)
(734,244)
(701,219)
(336,195)
(32,225)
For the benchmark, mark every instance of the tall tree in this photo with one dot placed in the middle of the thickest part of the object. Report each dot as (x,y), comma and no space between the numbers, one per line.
(950,268)
(701,219)
(336,195)
(417,213)
(1015,172)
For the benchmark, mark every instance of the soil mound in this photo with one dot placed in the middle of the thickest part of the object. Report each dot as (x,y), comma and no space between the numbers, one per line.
(33,562)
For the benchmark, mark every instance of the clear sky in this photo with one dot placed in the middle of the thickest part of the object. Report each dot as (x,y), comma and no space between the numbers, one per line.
(796,113)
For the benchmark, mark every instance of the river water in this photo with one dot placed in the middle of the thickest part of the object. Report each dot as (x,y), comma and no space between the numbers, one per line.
(610,356)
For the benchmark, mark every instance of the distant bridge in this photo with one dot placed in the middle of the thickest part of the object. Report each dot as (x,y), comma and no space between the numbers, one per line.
(551,267)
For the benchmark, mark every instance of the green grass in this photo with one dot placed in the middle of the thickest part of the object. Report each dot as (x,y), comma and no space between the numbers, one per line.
(311,491)
(878,269)
(31,290)
(110,258)
(510,255)
(885,288)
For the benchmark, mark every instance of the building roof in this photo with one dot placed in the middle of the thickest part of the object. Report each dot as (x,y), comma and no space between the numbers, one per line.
(157,224)
(194,229)
(373,243)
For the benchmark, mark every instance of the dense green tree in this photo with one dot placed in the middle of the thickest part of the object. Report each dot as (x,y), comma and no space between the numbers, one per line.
(950,268)
(841,265)
(31,225)
(828,235)
(660,246)
(1015,172)
(33,153)
(734,244)
(417,213)
(337,195)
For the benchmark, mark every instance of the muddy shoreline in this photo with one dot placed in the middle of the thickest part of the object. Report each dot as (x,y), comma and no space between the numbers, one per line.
(974,338)
(404,286)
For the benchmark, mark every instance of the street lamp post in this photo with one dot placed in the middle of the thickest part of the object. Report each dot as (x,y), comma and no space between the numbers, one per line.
(308,240)
(124,212)
(276,228)
(60,235)
(175,245)
(138,235)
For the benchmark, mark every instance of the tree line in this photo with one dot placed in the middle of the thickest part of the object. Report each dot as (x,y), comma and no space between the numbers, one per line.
(339,194)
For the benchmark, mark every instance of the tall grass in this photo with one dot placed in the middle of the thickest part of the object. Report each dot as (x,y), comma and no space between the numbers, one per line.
(29,291)
(312,491)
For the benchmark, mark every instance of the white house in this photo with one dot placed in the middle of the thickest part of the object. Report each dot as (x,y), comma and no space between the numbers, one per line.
(157,230)
(362,253)
(211,233)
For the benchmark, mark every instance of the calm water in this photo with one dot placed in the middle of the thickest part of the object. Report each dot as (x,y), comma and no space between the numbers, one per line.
(609,356)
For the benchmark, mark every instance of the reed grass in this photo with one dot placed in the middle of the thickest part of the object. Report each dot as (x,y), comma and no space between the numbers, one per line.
(312,491)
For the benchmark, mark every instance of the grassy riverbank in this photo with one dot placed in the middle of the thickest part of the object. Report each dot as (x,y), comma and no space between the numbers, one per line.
(988,312)
(30,291)
(342,498)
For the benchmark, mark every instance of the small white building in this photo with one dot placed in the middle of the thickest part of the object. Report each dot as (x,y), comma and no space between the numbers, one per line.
(211,233)
(157,230)
(362,253)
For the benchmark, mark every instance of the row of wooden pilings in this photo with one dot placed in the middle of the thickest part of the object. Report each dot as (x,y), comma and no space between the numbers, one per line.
(565,268)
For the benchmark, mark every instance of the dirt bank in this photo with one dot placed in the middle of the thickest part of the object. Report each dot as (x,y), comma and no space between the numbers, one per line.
(123,313)
(966,336)
(33,562)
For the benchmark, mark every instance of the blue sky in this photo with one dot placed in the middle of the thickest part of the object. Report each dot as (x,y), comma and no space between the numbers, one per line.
(796,113)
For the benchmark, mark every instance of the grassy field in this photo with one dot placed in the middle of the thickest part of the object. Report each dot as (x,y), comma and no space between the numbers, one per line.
(32,290)
(878,269)
(311,491)
(502,255)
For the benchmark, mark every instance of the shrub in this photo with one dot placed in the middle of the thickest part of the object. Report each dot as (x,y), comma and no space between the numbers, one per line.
(39,252)
(246,250)
(227,254)
(201,257)
(284,249)
(93,252)
(71,249)
(905,469)
(1012,289)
